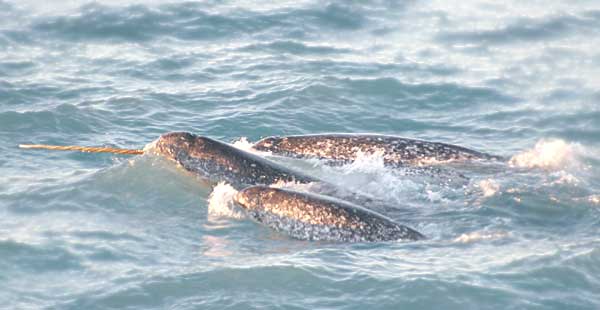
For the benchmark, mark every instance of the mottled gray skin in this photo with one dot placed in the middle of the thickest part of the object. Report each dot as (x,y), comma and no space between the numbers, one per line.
(343,148)
(215,161)
(313,217)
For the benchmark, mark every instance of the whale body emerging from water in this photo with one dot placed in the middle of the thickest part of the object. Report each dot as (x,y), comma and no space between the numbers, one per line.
(215,161)
(344,148)
(314,217)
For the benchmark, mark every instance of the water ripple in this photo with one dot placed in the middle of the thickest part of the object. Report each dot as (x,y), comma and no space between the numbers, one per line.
(528,30)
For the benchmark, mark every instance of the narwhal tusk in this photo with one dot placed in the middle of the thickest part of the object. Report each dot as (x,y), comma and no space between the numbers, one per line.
(86,149)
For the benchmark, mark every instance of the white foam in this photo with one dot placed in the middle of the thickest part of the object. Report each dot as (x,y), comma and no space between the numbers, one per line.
(547,154)
(367,162)
(368,175)
(150,146)
(479,236)
(489,187)
(564,178)
(434,196)
(245,145)
(220,202)
(302,187)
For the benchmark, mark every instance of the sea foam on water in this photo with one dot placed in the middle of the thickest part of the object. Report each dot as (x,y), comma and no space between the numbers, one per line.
(546,154)
(220,202)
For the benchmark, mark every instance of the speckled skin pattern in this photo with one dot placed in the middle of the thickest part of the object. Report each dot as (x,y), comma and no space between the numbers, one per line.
(343,148)
(216,161)
(313,217)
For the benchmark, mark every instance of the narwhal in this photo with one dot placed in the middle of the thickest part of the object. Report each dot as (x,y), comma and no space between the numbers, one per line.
(309,216)
(344,148)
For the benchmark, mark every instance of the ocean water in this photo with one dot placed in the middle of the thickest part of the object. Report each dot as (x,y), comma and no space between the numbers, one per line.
(101,231)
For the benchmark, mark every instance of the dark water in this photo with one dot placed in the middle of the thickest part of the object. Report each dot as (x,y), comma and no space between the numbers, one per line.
(97,231)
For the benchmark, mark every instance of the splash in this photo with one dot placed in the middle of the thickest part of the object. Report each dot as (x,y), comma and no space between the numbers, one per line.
(435,196)
(489,187)
(243,144)
(479,236)
(547,154)
(247,146)
(148,148)
(368,174)
(367,162)
(220,202)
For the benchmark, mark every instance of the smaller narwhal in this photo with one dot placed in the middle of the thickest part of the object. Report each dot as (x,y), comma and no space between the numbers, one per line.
(314,217)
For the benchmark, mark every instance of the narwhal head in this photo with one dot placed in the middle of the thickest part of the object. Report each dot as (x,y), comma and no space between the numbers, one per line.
(175,145)
(208,159)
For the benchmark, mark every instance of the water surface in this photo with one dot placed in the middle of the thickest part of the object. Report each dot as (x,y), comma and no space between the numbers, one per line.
(100,231)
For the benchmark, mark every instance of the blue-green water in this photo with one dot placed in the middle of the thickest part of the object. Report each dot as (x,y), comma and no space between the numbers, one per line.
(98,231)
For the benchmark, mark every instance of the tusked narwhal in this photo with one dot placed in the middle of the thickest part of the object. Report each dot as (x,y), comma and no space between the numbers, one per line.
(215,161)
